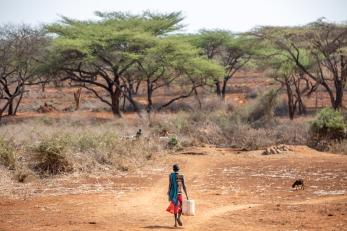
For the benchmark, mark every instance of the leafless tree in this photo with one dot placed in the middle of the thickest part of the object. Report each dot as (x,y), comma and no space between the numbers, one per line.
(20,50)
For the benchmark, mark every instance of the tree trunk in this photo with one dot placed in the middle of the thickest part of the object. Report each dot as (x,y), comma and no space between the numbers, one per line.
(301,106)
(1,112)
(149,97)
(123,104)
(218,89)
(197,98)
(299,101)
(340,83)
(330,92)
(291,105)
(225,82)
(10,107)
(77,97)
(137,87)
(133,102)
(19,100)
(115,105)
(338,95)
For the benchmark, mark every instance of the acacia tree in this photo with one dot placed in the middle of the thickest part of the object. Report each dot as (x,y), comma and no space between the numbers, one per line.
(295,82)
(97,54)
(318,50)
(171,61)
(194,73)
(21,49)
(230,50)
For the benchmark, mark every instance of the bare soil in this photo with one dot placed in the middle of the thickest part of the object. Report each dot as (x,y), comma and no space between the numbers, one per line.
(233,190)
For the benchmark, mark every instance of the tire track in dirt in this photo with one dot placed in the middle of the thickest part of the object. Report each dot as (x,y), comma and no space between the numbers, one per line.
(220,211)
(331,199)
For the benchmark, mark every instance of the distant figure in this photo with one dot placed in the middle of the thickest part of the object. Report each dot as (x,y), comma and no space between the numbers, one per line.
(164,132)
(298,183)
(138,134)
(176,184)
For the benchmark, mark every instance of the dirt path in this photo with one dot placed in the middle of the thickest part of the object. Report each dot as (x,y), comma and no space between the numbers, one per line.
(232,192)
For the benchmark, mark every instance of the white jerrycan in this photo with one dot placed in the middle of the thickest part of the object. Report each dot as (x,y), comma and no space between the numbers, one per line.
(188,207)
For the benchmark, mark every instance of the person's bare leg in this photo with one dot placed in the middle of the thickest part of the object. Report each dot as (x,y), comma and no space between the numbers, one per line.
(175,216)
(179,219)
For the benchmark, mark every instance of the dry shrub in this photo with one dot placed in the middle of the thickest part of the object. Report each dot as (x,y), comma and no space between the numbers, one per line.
(51,155)
(107,148)
(213,104)
(338,147)
(7,153)
(207,133)
(188,126)
(22,174)
(281,109)
(262,113)
(178,106)
(223,128)
(245,137)
(252,94)
(133,153)
(46,108)
(291,132)
(91,141)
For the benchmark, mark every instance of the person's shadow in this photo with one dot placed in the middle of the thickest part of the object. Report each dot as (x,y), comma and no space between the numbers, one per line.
(161,227)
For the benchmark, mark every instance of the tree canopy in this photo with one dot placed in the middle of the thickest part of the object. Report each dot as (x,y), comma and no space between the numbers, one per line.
(101,52)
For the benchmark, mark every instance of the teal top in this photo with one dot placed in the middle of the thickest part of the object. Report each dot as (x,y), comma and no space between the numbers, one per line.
(173,188)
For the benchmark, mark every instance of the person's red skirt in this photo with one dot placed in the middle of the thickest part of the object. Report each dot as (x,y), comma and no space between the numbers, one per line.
(175,209)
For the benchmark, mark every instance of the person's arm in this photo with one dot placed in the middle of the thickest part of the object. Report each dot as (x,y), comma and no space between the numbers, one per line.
(184,187)
(168,191)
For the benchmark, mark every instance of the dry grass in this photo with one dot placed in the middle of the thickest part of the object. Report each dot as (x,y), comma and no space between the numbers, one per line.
(51,146)
(7,153)
(338,147)
(224,128)
(73,144)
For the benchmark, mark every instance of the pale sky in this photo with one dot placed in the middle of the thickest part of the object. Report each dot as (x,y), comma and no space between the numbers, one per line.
(235,15)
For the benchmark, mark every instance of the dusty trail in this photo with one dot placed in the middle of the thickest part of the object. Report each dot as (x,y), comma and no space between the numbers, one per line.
(230,192)
(148,206)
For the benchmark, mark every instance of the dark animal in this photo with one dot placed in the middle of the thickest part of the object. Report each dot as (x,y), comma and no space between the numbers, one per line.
(138,134)
(298,183)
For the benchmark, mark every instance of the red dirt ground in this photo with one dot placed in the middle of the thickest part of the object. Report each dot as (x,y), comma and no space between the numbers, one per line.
(233,191)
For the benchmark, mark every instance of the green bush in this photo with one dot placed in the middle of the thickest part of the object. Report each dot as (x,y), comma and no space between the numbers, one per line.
(7,154)
(173,141)
(329,124)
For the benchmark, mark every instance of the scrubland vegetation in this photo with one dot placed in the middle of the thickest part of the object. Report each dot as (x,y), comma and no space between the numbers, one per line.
(47,146)
(119,55)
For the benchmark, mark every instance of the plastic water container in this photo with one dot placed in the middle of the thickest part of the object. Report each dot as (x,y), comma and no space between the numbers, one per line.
(188,207)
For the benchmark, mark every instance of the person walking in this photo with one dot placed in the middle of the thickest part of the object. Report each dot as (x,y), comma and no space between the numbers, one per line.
(176,184)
